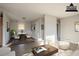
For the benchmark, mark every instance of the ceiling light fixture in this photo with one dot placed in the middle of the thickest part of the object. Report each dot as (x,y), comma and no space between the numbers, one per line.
(23,18)
(71,8)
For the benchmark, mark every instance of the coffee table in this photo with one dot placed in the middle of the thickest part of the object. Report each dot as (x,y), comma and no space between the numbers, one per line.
(50,50)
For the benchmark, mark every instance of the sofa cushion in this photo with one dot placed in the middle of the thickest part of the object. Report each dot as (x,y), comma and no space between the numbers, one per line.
(4,50)
(12,53)
(73,46)
(28,54)
(64,45)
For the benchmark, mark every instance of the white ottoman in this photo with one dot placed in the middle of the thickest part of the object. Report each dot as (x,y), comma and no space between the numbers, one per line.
(64,45)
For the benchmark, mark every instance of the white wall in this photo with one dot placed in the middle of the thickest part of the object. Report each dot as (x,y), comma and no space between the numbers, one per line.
(13,25)
(5,33)
(1,9)
(38,33)
(68,29)
(50,31)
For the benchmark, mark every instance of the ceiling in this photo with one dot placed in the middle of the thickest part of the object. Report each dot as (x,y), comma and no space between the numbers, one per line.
(34,10)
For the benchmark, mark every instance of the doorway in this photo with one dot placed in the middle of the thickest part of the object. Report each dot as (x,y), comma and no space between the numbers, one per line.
(1,25)
(58,30)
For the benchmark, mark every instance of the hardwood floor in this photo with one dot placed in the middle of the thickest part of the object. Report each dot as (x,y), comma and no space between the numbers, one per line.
(23,46)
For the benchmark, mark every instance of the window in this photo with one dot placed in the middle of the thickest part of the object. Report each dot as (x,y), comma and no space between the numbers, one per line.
(77,26)
(21,27)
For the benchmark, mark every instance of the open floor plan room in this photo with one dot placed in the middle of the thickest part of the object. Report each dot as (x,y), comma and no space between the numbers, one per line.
(39,29)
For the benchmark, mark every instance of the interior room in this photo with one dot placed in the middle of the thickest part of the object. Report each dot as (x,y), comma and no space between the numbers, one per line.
(39,29)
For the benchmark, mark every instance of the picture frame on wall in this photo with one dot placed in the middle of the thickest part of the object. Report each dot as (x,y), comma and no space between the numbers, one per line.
(33,27)
(7,26)
(77,26)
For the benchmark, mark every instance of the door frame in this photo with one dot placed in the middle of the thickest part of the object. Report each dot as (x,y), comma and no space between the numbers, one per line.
(1,21)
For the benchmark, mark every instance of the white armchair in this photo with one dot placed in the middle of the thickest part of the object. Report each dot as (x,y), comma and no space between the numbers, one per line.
(6,51)
(64,45)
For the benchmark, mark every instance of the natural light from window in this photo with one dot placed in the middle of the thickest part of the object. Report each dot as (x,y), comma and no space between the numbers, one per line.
(21,27)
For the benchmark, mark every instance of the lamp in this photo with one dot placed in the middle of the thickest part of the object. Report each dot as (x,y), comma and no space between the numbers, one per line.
(71,8)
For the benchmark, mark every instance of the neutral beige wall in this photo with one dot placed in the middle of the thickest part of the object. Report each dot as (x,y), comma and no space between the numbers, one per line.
(50,31)
(68,29)
(5,33)
(38,33)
